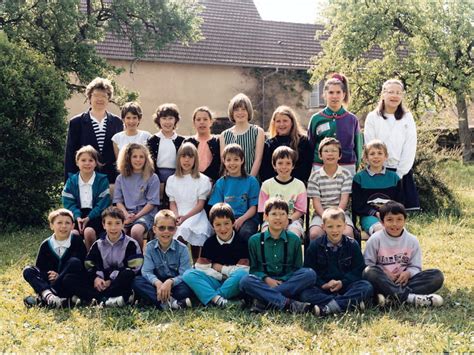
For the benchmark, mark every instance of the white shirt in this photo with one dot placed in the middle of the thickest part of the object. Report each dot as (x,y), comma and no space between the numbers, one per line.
(221,242)
(398,135)
(100,123)
(121,138)
(166,152)
(85,191)
(60,246)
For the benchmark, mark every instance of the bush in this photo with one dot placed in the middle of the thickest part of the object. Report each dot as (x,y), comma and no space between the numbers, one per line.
(33,128)
(436,195)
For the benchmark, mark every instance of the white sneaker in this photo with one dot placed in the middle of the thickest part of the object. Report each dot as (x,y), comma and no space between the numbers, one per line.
(53,301)
(432,300)
(75,301)
(316,310)
(380,299)
(115,302)
(180,304)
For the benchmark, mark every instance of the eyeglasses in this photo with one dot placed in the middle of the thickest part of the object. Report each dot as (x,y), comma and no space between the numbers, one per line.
(329,150)
(100,96)
(392,92)
(169,228)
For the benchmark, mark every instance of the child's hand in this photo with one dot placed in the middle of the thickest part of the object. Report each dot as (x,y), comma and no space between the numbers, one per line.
(180,220)
(333,285)
(377,214)
(238,223)
(391,275)
(164,292)
(99,284)
(272,282)
(217,267)
(403,278)
(130,218)
(52,275)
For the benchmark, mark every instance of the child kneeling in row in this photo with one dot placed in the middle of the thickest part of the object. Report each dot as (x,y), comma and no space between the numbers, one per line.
(276,274)
(338,263)
(111,265)
(166,260)
(223,261)
(393,258)
(60,254)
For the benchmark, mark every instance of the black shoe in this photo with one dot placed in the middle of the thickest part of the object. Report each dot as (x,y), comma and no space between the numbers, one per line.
(299,307)
(32,301)
(257,306)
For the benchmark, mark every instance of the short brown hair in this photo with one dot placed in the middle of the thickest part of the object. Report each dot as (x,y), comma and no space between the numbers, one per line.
(113,212)
(164,214)
(100,84)
(276,204)
(234,149)
(376,144)
(132,107)
(221,210)
(240,100)
(60,212)
(333,213)
(329,141)
(202,109)
(283,152)
(188,150)
(165,110)
(88,149)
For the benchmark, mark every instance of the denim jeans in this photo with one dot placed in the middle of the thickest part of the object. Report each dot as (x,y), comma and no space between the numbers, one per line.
(38,279)
(206,287)
(248,228)
(277,296)
(347,298)
(424,283)
(147,292)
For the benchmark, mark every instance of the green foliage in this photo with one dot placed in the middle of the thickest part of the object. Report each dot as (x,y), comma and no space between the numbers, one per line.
(32,126)
(67,31)
(428,44)
(436,193)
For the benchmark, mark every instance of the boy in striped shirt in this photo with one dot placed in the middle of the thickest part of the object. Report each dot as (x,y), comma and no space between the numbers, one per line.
(329,186)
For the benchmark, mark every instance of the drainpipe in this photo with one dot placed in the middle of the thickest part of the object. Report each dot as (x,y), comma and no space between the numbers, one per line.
(263,95)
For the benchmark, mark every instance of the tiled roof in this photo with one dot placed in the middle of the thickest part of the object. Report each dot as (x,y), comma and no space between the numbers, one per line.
(234,34)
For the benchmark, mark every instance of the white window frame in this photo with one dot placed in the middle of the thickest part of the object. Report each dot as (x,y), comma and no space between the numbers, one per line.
(316,98)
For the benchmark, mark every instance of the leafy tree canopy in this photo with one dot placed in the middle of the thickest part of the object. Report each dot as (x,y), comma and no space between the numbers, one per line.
(428,44)
(66,31)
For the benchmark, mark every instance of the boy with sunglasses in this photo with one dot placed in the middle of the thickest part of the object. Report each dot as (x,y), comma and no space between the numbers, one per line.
(166,260)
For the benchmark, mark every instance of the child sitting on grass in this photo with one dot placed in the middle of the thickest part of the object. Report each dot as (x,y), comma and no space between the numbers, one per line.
(111,265)
(61,253)
(223,262)
(338,263)
(276,275)
(166,260)
(393,259)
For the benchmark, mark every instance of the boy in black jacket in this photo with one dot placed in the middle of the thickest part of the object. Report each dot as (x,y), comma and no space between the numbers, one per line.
(61,253)
(338,263)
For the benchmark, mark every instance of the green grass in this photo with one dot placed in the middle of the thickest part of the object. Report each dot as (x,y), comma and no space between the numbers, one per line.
(446,243)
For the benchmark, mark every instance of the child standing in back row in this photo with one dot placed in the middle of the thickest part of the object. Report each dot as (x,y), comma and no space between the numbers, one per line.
(239,190)
(335,121)
(188,190)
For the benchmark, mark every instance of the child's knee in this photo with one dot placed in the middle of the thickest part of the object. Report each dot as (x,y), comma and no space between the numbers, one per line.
(349,231)
(315,232)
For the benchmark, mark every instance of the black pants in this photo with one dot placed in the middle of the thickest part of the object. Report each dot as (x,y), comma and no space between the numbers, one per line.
(423,283)
(38,279)
(82,285)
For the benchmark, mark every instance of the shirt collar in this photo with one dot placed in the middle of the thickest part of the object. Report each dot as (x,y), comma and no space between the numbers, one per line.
(162,136)
(122,237)
(65,244)
(330,112)
(371,173)
(322,172)
(282,235)
(90,182)
(221,242)
(171,247)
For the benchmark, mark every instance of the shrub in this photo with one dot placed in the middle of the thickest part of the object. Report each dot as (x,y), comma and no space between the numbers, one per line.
(436,195)
(32,126)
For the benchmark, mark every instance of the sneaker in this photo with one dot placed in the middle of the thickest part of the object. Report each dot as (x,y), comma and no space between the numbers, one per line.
(298,307)
(361,306)
(53,301)
(181,304)
(220,302)
(380,300)
(432,300)
(75,301)
(115,302)
(257,306)
(32,301)
(316,310)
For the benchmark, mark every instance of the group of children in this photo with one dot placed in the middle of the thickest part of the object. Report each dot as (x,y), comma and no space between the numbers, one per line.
(167,184)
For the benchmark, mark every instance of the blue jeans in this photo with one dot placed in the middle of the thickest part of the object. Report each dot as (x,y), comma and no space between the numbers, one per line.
(424,283)
(248,228)
(206,287)
(147,292)
(278,296)
(348,297)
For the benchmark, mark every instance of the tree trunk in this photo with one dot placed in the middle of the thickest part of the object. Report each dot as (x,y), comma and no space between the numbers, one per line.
(464,132)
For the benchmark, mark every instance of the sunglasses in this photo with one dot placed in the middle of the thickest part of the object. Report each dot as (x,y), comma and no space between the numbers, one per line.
(169,228)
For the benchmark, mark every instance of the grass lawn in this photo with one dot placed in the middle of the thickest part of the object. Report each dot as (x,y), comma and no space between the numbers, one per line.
(446,243)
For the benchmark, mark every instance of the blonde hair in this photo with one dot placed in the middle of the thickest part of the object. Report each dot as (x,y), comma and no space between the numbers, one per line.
(88,149)
(188,150)
(164,214)
(401,110)
(296,131)
(240,100)
(60,212)
(100,84)
(333,213)
(374,144)
(124,161)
